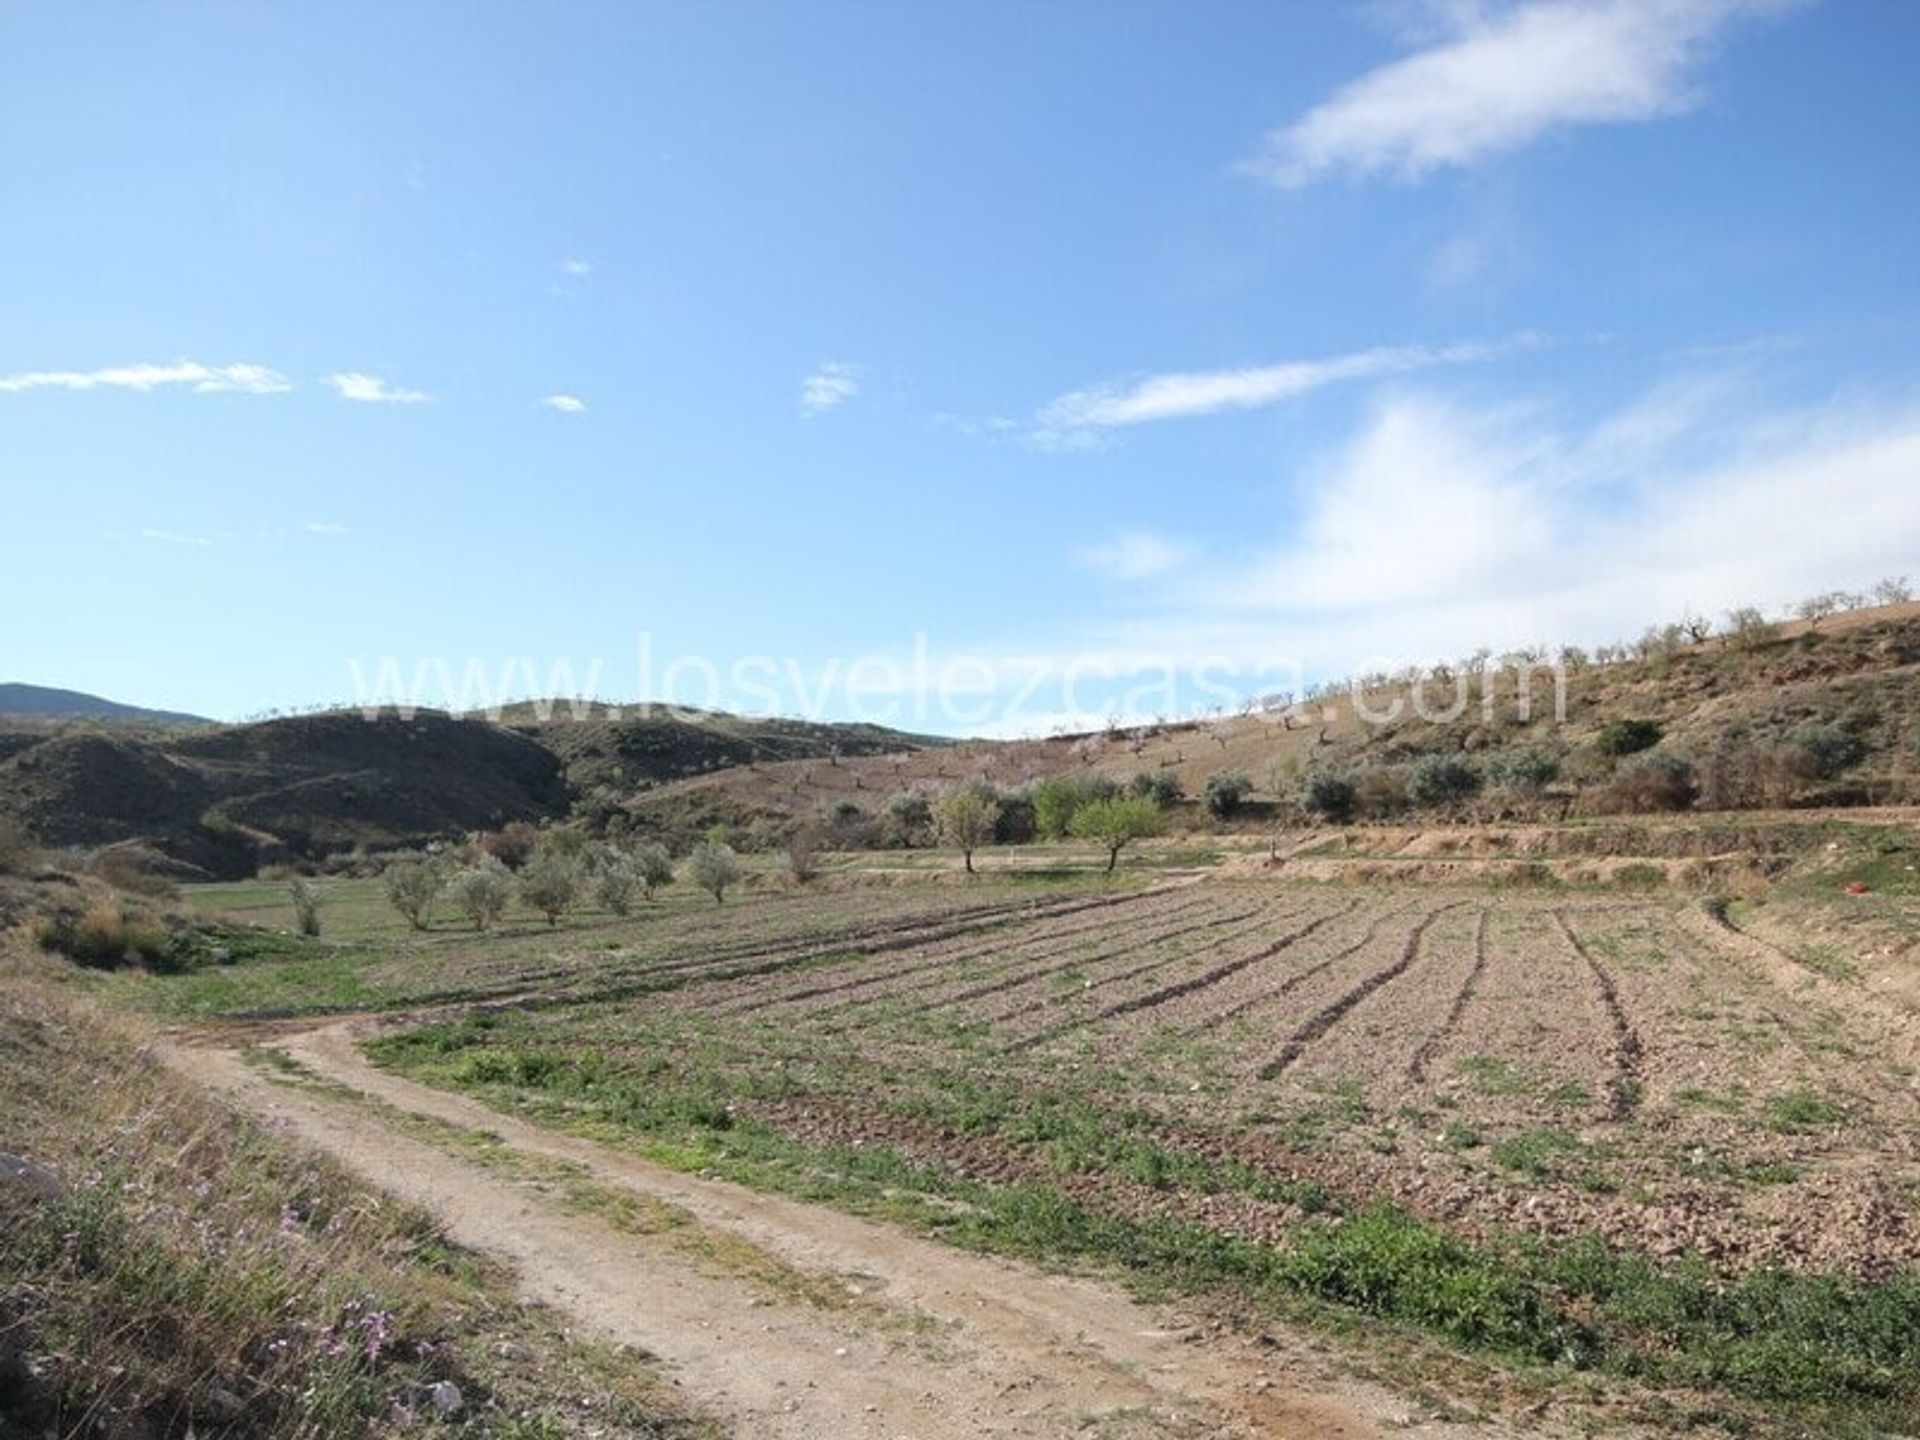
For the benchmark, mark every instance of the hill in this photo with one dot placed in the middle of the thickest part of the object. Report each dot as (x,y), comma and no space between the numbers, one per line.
(44,702)
(1737,713)
(219,800)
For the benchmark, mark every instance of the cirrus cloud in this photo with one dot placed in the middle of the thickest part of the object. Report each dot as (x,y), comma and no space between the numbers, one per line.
(1503,80)
(191,375)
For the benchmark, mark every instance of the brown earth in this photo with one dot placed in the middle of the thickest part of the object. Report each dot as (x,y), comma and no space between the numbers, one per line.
(940,1342)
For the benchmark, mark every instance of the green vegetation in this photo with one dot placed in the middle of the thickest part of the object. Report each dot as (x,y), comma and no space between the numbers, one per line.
(1835,1354)
(170,1269)
(1116,822)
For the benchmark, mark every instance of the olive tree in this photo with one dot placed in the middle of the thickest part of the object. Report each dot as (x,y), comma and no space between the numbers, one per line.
(413,883)
(713,867)
(482,891)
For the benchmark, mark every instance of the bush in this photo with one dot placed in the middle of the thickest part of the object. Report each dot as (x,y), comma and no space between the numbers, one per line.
(713,867)
(966,816)
(1054,800)
(1523,772)
(1379,791)
(1160,786)
(803,849)
(1653,782)
(413,883)
(512,845)
(1442,780)
(1748,629)
(549,884)
(105,937)
(17,850)
(482,891)
(1327,795)
(306,905)
(1226,792)
(1820,752)
(907,821)
(1116,821)
(1628,737)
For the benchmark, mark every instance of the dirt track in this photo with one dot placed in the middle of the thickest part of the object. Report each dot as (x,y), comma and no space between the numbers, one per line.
(940,1344)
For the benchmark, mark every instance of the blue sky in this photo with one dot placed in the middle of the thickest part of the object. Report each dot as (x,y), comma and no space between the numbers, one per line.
(1151,337)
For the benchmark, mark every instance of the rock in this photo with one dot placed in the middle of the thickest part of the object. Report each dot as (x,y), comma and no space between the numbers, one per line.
(446,1399)
(32,1179)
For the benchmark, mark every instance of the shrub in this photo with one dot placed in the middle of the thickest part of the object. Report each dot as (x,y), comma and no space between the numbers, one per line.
(1116,821)
(1628,737)
(803,849)
(965,817)
(1226,792)
(1379,791)
(1328,795)
(1442,780)
(106,936)
(413,883)
(713,867)
(1654,782)
(513,845)
(1524,772)
(17,850)
(1160,786)
(306,905)
(908,820)
(1819,752)
(482,891)
(1055,799)
(654,866)
(1748,629)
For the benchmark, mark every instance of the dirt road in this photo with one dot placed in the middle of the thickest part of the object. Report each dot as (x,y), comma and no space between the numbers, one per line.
(938,1344)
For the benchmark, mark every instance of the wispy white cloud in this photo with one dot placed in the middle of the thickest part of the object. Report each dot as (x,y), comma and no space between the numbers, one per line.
(576,267)
(1503,77)
(832,385)
(372,390)
(565,404)
(1440,527)
(1078,417)
(1136,555)
(327,527)
(174,537)
(181,374)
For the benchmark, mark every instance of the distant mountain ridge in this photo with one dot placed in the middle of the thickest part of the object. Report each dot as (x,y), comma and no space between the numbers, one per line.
(46,702)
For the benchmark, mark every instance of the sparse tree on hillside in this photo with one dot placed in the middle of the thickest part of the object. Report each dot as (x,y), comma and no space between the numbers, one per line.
(1748,629)
(413,883)
(306,905)
(803,851)
(1894,590)
(713,867)
(482,891)
(966,815)
(1115,822)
